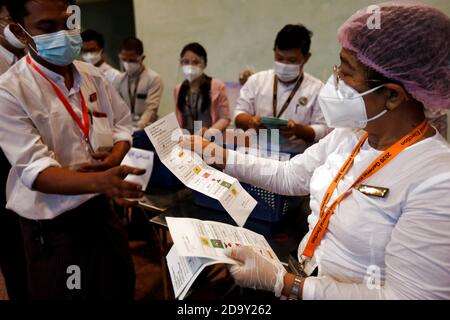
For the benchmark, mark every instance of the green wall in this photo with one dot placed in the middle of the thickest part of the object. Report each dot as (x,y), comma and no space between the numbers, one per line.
(114,19)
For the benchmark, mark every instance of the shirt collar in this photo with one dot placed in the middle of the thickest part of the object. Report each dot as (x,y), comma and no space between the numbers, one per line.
(8,55)
(59,79)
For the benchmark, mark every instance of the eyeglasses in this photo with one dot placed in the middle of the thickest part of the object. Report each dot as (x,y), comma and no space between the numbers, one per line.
(336,77)
(193,62)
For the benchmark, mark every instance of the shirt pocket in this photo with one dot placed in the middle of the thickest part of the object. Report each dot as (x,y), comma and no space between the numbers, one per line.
(140,103)
(101,135)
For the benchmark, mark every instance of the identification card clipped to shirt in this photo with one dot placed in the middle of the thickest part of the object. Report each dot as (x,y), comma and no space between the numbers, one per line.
(373,191)
(101,135)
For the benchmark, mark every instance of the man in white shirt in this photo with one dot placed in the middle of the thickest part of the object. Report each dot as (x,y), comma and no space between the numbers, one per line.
(93,52)
(285,92)
(57,116)
(140,87)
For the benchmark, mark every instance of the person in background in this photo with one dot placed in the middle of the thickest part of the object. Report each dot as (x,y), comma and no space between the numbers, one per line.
(59,116)
(140,86)
(12,259)
(285,92)
(93,52)
(380,182)
(245,75)
(200,97)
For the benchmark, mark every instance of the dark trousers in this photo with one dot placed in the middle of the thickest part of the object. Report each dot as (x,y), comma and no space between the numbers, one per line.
(86,246)
(12,258)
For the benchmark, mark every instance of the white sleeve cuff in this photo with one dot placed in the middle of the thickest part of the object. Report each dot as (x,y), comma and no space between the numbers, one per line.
(230,168)
(123,136)
(320,131)
(31,172)
(308,289)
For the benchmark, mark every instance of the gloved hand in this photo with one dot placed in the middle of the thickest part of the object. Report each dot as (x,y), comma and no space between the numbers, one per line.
(256,271)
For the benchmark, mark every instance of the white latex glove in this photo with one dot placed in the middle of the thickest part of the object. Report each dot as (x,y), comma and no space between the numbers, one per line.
(256,271)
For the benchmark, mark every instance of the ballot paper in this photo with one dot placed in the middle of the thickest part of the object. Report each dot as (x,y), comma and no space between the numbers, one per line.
(190,169)
(199,244)
(140,159)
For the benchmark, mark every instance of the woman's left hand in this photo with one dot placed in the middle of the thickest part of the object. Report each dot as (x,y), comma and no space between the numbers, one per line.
(256,271)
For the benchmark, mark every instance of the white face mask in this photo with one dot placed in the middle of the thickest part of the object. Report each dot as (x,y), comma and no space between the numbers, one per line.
(131,67)
(192,72)
(92,57)
(286,72)
(12,39)
(345,107)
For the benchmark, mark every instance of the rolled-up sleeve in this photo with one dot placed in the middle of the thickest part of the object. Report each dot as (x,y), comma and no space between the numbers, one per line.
(122,130)
(22,143)
(246,101)
(417,257)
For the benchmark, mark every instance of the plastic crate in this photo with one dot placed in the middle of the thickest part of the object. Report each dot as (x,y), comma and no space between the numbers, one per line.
(161,176)
(271,207)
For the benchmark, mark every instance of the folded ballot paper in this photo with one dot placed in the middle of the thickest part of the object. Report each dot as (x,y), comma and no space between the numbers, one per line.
(199,244)
(140,159)
(190,169)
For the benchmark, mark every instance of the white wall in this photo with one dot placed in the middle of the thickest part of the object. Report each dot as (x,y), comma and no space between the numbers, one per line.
(239,33)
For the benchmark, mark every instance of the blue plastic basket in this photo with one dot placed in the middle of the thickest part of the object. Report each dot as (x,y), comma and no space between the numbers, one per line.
(271,207)
(161,176)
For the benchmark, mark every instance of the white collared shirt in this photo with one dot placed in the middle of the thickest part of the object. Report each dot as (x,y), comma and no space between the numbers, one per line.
(37,132)
(109,72)
(7,59)
(148,94)
(401,241)
(256,98)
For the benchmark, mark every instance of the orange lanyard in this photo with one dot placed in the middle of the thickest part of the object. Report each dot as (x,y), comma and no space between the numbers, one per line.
(325,214)
(288,101)
(83,125)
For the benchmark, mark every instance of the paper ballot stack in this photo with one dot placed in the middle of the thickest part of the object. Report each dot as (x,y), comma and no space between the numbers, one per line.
(190,169)
(199,244)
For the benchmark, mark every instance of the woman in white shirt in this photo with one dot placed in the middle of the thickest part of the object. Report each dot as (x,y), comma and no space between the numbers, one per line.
(380,221)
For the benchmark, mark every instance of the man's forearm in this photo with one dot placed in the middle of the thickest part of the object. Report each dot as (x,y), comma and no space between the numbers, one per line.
(119,152)
(54,180)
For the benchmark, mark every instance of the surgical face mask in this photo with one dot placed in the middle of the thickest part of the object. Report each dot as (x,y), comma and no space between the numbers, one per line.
(92,57)
(344,107)
(58,48)
(192,72)
(12,39)
(131,68)
(286,72)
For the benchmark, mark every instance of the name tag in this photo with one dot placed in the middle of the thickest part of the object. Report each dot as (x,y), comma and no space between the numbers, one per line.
(373,191)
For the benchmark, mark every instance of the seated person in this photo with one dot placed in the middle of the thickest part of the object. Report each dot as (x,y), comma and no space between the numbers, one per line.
(139,86)
(200,97)
(93,52)
(285,92)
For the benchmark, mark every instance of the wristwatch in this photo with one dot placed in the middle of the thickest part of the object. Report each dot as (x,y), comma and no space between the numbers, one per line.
(296,288)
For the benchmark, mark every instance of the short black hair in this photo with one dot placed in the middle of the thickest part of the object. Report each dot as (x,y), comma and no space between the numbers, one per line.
(17,10)
(196,48)
(294,36)
(133,44)
(92,35)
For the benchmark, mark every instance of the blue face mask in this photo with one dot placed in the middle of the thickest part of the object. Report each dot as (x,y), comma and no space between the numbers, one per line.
(58,48)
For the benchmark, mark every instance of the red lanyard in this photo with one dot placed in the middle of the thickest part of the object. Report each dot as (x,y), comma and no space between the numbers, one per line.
(325,214)
(83,125)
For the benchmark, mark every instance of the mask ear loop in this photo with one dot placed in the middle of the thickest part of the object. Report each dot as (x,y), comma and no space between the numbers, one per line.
(29,35)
